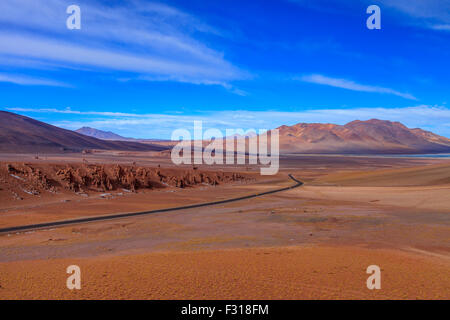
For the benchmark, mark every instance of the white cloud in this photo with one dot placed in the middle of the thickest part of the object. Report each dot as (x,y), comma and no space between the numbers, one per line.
(351,85)
(30,81)
(445,27)
(433,14)
(147,39)
(425,9)
(60,51)
(223,84)
(75,112)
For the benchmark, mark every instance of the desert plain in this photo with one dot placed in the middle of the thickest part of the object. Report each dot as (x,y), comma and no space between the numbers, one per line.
(312,242)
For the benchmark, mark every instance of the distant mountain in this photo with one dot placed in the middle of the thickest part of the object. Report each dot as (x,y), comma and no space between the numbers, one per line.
(371,136)
(111,136)
(20,134)
(100,134)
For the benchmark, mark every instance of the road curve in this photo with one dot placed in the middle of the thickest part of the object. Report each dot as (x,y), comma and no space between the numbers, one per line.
(62,223)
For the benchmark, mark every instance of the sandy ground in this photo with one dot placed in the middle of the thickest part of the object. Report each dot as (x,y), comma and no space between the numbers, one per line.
(312,242)
(263,273)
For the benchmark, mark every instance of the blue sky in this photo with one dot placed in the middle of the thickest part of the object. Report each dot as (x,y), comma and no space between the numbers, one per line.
(144,68)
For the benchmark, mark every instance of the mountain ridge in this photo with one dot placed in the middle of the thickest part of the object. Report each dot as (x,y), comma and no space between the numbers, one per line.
(369,136)
(21,134)
(100,134)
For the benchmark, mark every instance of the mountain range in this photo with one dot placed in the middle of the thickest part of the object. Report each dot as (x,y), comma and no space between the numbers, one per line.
(20,134)
(371,136)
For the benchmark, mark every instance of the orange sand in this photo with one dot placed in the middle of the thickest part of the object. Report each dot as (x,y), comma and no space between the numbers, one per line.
(262,273)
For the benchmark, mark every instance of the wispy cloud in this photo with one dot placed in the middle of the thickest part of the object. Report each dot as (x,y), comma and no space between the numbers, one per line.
(30,81)
(445,27)
(351,85)
(434,14)
(60,51)
(74,112)
(433,118)
(146,39)
(434,9)
(223,84)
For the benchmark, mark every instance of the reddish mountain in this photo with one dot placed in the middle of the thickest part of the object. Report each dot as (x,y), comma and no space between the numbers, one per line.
(372,136)
(20,134)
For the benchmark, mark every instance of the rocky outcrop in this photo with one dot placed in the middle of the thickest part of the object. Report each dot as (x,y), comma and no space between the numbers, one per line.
(102,178)
(34,180)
